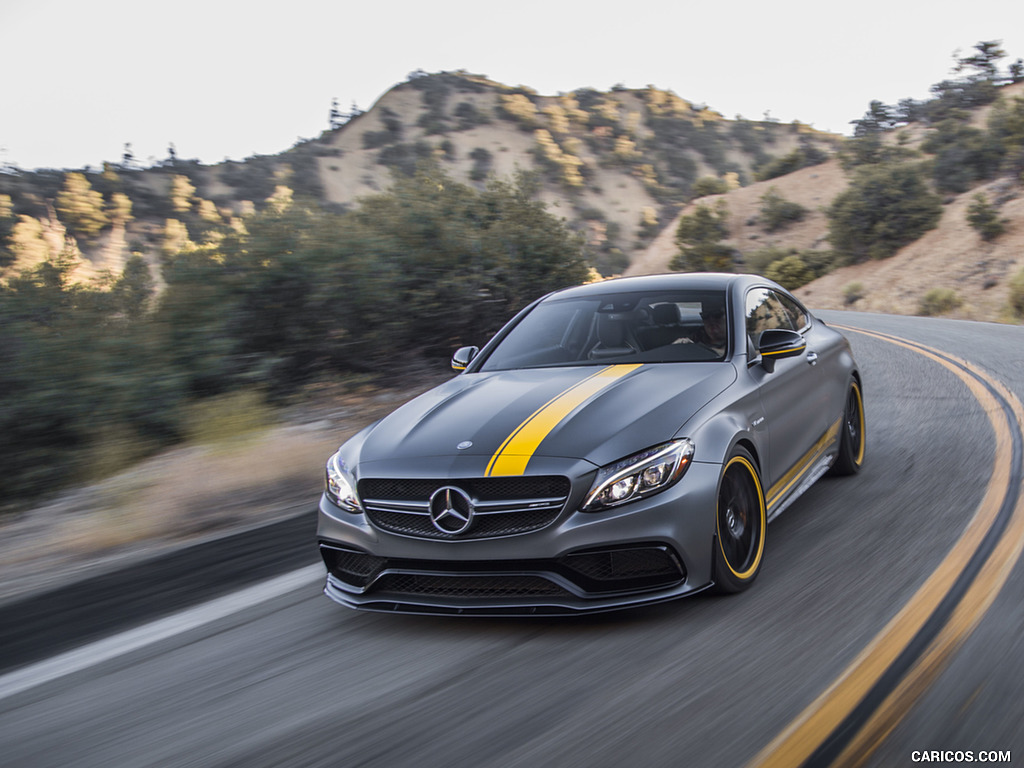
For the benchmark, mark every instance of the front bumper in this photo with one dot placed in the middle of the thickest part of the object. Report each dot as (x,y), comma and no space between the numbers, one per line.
(648,551)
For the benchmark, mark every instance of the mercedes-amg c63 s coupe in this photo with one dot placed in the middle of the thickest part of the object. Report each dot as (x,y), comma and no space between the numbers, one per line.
(615,444)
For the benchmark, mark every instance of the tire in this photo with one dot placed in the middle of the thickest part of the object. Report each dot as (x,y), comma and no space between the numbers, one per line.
(851,434)
(740,523)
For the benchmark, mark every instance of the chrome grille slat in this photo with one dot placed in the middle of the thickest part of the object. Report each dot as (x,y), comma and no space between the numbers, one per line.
(503,506)
(397,506)
(521,503)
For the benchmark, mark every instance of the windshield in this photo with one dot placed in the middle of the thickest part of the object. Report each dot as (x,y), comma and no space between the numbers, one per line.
(665,327)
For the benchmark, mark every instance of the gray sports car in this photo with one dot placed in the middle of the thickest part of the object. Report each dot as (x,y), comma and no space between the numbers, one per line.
(615,444)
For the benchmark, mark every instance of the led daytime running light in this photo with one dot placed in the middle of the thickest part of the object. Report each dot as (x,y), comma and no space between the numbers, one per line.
(339,488)
(639,475)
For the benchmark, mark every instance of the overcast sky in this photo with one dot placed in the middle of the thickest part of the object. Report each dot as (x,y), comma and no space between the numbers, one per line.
(81,78)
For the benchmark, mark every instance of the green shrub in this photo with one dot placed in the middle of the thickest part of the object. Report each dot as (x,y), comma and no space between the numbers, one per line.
(777,212)
(405,157)
(1006,124)
(802,157)
(649,225)
(963,156)
(375,139)
(885,208)
(482,160)
(698,237)
(790,272)
(939,301)
(758,261)
(709,185)
(852,293)
(252,179)
(469,116)
(609,261)
(761,262)
(984,217)
(432,124)
(391,134)
(819,262)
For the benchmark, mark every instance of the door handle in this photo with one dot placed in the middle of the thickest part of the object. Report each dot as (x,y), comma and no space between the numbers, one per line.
(812,358)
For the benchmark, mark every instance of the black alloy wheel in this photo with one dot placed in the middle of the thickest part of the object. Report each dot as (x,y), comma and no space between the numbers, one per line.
(740,524)
(851,436)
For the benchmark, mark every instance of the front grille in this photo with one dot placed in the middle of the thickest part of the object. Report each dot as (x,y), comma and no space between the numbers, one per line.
(631,568)
(356,568)
(481,587)
(626,564)
(503,506)
(483,488)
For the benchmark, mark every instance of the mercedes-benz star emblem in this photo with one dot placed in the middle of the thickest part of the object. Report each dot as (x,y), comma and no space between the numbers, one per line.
(451,510)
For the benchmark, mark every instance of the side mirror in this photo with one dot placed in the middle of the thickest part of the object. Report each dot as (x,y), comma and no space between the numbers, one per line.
(776,344)
(463,357)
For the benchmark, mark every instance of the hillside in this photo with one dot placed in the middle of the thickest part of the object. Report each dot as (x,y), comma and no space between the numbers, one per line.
(608,160)
(814,188)
(621,167)
(951,256)
(616,165)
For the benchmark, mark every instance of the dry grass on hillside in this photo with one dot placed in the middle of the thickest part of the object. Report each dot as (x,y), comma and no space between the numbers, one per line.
(814,188)
(951,256)
(613,188)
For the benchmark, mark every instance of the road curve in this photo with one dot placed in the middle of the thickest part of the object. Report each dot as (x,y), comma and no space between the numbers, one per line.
(707,681)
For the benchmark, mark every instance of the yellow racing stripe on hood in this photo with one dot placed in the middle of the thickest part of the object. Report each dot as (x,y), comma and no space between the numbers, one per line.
(517,450)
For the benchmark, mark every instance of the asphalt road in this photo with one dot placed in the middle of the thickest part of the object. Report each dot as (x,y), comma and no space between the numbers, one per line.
(709,681)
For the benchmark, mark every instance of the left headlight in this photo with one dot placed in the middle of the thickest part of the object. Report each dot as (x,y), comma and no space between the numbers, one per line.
(339,485)
(639,475)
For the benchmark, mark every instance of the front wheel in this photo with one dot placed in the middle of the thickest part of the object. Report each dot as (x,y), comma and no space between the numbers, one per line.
(851,436)
(740,522)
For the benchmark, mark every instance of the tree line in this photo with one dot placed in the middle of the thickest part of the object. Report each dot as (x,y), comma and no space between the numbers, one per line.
(100,374)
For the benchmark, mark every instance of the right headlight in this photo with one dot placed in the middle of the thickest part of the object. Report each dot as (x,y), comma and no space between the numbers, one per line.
(639,475)
(340,486)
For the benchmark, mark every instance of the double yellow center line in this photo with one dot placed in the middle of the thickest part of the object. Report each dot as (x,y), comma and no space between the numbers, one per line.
(849,720)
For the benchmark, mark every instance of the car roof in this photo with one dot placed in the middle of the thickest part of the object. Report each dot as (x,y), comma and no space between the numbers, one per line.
(679,281)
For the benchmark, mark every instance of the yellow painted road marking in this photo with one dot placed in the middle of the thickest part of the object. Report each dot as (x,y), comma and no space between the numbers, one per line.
(802,737)
(517,450)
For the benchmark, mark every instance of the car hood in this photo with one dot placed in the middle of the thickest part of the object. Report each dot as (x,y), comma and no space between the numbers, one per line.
(595,413)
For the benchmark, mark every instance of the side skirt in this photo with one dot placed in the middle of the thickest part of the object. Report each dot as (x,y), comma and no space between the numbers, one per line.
(810,479)
(805,473)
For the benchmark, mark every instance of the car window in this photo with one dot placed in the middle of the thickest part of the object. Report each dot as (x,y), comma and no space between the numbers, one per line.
(765,311)
(796,313)
(663,327)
